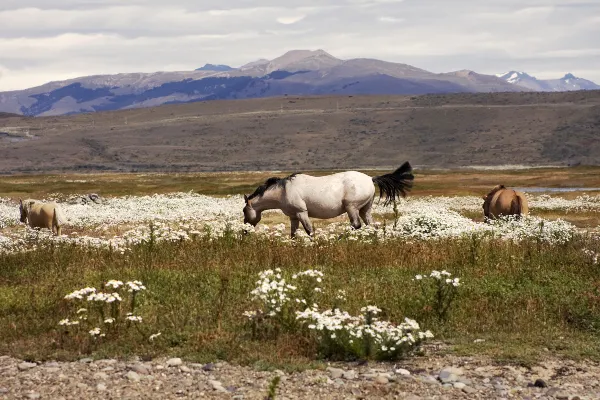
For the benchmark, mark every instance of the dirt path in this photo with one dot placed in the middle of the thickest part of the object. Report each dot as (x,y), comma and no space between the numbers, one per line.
(420,378)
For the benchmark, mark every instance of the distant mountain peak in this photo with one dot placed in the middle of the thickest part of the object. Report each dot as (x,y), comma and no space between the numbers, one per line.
(566,83)
(213,67)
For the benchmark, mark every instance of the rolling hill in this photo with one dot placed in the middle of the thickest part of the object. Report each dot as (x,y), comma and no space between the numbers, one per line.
(315,132)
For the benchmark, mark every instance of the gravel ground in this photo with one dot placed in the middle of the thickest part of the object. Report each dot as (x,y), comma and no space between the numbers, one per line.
(436,377)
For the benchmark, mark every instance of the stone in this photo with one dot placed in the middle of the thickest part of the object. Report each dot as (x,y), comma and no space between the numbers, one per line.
(335,372)
(447,376)
(133,376)
(381,380)
(101,375)
(174,362)
(3,390)
(52,364)
(453,370)
(33,395)
(447,385)
(478,340)
(24,366)
(428,379)
(140,369)
(469,390)
(349,375)
(464,380)
(183,368)
(540,383)
(402,371)
(217,386)
(86,360)
(208,367)
(562,396)
(459,385)
(82,386)
(101,387)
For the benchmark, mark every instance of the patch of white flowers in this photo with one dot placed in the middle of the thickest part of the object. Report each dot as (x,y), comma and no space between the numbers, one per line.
(350,333)
(593,256)
(272,291)
(122,222)
(104,312)
(442,276)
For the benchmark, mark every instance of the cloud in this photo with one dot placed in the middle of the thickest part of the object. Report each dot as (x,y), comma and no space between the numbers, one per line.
(291,19)
(42,40)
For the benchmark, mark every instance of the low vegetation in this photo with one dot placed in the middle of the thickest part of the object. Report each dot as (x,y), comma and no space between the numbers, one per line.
(174,275)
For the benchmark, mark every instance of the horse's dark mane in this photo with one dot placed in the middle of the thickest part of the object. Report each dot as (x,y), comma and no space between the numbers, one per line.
(271,183)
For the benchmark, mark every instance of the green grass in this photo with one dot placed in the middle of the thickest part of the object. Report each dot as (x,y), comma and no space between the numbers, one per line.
(521,298)
(427,182)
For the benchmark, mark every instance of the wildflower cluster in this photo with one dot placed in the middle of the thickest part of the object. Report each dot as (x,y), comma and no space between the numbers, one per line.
(438,292)
(337,332)
(341,334)
(593,256)
(183,217)
(102,313)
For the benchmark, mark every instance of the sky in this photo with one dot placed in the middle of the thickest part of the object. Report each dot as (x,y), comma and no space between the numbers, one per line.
(50,40)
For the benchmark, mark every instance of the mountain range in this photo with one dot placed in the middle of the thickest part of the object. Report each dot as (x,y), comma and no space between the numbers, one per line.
(297,72)
(567,83)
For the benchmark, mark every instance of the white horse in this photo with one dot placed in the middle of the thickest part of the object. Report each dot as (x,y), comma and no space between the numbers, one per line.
(38,214)
(302,196)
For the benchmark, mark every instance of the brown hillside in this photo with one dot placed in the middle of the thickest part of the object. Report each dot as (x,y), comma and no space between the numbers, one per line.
(311,133)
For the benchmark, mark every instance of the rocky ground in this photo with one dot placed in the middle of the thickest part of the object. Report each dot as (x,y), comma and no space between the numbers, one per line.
(436,377)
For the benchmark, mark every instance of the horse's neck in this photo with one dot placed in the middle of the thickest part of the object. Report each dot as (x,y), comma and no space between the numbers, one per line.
(269,200)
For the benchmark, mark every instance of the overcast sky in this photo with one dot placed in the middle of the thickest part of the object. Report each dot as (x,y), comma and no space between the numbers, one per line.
(45,40)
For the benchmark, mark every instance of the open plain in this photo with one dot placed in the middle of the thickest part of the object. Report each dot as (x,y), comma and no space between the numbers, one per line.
(330,132)
(158,268)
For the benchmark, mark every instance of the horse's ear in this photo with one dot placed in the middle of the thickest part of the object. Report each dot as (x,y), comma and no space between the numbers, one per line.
(484,197)
(245,198)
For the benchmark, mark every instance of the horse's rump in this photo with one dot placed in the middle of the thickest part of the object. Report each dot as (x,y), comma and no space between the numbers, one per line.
(59,216)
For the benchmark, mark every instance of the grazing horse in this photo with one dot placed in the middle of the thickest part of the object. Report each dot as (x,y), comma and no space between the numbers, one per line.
(42,215)
(503,201)
(302,196)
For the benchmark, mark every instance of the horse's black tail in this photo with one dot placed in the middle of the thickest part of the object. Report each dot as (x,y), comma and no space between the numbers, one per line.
(396,184)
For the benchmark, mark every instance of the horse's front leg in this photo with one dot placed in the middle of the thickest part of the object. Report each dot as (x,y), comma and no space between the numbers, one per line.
(294,223)
(305,221)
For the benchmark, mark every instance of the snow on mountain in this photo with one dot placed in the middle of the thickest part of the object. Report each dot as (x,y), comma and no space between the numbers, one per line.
(566,83)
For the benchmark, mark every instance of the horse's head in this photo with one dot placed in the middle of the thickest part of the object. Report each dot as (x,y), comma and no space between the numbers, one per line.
(251,216)
(24,209)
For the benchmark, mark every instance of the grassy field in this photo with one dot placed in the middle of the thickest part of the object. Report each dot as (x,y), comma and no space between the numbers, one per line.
(523,299)
(427,182)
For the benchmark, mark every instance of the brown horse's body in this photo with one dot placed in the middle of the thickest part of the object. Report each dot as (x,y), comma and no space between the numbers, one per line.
(38,214)
(502,201)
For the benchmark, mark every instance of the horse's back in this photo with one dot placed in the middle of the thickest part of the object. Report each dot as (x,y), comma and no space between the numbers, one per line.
(42,214)
(503,201)
(328,196)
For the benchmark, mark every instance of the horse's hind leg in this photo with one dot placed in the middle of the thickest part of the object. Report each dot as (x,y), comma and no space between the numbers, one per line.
(354,216)
(365,213)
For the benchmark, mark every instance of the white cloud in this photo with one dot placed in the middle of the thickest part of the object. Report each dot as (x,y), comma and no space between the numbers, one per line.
(43,40)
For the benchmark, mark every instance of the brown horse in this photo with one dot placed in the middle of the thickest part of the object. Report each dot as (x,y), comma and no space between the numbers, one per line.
(503,201)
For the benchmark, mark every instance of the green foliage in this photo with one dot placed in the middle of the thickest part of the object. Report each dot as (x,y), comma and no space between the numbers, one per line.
(199,290)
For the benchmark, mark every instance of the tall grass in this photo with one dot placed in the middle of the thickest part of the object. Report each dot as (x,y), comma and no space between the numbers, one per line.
(521,298)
